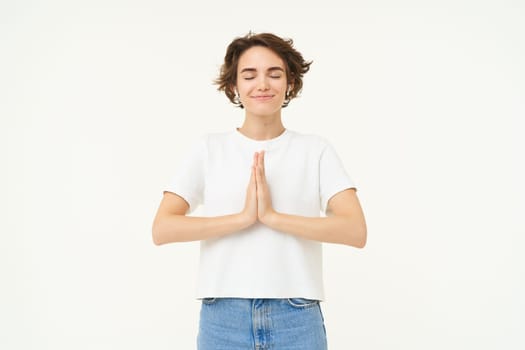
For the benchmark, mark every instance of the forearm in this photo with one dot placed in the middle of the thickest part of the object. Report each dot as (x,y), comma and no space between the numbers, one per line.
(332,229)
(180,228)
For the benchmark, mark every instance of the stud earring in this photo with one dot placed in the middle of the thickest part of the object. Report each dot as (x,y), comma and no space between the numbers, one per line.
(237,98)
(287,97)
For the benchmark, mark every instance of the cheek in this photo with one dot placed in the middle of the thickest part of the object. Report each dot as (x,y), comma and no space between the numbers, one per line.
(281,85)
(244,87)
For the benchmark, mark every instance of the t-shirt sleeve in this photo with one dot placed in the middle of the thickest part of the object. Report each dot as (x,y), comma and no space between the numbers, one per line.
(189,178)
(332,176)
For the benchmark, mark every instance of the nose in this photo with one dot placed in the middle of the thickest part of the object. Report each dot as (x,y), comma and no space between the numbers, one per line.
(262,84)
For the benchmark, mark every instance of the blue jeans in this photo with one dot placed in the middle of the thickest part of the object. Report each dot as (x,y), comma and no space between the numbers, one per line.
(261,324)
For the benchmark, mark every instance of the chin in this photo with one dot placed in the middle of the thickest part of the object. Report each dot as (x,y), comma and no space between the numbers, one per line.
(264,108)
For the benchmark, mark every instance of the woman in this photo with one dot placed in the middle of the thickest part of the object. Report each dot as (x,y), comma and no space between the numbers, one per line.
(263,188)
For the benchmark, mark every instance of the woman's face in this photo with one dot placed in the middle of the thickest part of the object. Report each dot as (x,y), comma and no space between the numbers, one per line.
(261,81)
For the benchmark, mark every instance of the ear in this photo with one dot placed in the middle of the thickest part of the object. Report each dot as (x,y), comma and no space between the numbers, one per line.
(290,87)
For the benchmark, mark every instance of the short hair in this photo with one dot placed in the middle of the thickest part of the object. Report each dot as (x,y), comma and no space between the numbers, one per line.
(295,65)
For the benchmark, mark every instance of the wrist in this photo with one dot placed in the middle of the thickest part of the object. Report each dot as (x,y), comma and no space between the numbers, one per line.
(270,218)
(244,220)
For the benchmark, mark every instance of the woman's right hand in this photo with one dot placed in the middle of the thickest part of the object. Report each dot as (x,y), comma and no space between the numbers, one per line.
(171,223)
(249,212)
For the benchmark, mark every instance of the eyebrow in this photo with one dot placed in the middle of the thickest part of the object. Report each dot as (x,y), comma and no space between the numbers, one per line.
(269,69)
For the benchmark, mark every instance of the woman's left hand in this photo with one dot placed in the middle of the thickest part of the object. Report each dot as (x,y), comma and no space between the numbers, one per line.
(265,211)
(344,224)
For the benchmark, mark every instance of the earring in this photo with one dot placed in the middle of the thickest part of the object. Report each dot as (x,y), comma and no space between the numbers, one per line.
(237,98)
(287,97)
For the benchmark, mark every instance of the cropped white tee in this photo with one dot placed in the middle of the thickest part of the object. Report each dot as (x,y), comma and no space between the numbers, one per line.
(303,172)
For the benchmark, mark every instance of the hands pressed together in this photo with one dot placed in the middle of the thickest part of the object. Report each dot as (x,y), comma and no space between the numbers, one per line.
(345,223)
(258,205)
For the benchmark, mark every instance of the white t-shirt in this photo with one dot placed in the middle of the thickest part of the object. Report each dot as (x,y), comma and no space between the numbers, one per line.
(303,172)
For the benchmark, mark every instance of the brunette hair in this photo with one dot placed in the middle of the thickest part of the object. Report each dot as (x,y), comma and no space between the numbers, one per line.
(295,65)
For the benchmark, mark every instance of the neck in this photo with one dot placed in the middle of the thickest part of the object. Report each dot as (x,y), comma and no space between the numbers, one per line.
(262,127)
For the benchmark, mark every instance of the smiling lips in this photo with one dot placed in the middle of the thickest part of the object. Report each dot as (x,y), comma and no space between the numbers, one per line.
(262,97)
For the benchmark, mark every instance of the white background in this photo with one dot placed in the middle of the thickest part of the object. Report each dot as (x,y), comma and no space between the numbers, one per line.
(423,100)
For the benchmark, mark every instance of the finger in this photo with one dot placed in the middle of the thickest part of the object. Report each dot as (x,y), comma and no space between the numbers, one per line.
(252,175)
(260,171)
(261,159)
(260,162)
(254,168)
(256,160)
(254,164)
(258,175)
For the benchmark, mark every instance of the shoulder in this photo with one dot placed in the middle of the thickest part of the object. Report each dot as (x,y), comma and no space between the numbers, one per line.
(218,137)
(309,140)
(210,140)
